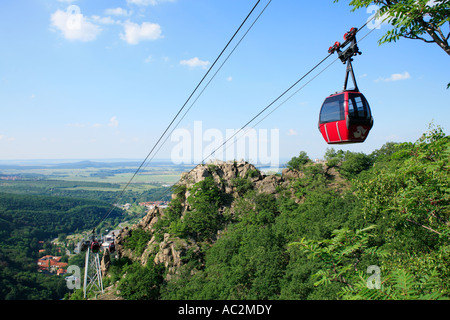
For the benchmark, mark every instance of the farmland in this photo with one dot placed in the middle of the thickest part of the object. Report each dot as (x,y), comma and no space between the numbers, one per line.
(90,180)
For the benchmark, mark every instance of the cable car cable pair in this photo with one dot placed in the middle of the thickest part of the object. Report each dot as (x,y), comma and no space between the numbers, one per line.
(345,117)
(349,37)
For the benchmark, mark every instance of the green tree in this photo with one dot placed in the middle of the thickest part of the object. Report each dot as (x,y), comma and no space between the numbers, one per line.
(141,282)
(333,157)
(355,163)
(346,259)
(137,241)
(413,19)
(205,200)
(297,163)
(341,254)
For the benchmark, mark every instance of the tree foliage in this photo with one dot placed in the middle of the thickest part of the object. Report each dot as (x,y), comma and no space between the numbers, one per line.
(141,282)
(407,197)
(297,163)
(413,19)
(27,219)
(205,199)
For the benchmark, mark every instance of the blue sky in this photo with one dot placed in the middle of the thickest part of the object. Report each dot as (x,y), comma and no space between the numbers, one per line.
(109,87)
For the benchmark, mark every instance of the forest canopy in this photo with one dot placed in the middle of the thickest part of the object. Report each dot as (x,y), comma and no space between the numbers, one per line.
(24,221)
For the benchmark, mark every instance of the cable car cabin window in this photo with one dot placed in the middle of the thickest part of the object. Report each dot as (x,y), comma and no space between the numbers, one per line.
(358,106)
(332,109)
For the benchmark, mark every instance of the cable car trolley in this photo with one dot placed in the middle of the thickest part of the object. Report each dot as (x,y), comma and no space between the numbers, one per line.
(345,116)
(95,243)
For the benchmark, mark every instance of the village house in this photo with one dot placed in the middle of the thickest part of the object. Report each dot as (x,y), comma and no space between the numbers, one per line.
(152,204)
(51,264)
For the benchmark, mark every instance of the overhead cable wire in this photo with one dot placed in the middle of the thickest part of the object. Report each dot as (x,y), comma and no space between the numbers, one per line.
(182,108)
(223,63)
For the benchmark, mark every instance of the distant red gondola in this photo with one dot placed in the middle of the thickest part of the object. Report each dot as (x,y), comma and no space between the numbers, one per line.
(95,246)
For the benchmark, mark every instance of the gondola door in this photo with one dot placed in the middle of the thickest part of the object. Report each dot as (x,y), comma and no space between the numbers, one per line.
(332,118)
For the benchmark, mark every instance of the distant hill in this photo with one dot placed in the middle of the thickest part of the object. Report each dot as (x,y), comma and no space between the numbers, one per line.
(85,164)
(72,165)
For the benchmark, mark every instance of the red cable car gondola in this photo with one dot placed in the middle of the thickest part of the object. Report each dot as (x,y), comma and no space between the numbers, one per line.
(95,246)
(345,117)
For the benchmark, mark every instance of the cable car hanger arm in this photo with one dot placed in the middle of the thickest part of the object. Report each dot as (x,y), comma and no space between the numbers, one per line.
(347,55)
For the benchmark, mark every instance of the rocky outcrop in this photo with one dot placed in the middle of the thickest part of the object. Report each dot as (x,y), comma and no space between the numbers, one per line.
(105,263)
(234,179)
(225,173)
(150,219)
(171,250)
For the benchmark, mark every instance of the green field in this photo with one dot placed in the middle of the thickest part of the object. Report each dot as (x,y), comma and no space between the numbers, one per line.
(91,180)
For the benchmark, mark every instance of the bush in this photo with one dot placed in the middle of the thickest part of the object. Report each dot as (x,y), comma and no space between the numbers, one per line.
(137,241)
(354,164)
(242,185)
(297,163)
(141,282)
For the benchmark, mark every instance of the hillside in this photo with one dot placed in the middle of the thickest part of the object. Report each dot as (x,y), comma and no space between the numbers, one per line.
(25,220)
(317,231)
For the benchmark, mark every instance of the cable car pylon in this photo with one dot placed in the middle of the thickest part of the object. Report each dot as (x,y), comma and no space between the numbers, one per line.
(93,281)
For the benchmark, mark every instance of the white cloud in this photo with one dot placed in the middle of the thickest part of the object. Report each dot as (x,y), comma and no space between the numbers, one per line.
(195,62)
(117,12)
(135,33)
(74,25)
(113,122)
(147,2)
(395,77)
